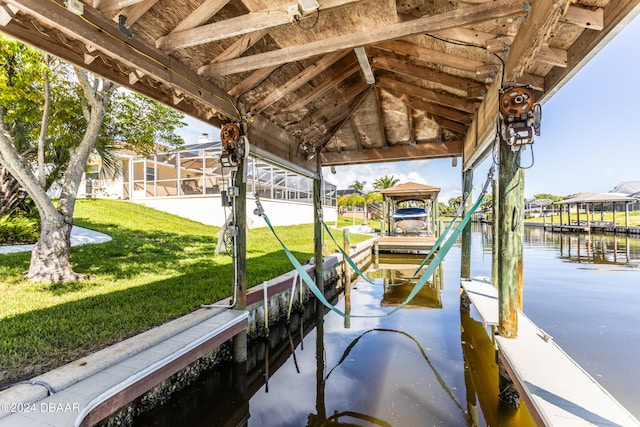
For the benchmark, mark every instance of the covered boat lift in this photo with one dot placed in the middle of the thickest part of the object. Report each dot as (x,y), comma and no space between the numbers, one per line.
(590,200)
(343,82)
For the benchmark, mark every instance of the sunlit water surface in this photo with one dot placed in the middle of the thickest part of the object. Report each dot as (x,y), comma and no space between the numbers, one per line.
(429,363)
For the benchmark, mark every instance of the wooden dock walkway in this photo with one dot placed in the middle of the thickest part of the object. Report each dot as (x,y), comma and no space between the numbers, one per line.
(97,396)
(557,391)
(404,244)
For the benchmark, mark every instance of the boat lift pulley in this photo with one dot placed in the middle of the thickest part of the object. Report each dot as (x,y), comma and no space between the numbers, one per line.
(234,145)
(520,117)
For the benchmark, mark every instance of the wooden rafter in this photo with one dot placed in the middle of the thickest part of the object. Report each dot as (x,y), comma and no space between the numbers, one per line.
(253,80)
(430,55)
(135,12)
(349,114)
(324,87)
(447,100)
(455,18)
(239,25)
(240,46)
(200,15)
(472,87)
(439,111)
(422,150)
(312,71)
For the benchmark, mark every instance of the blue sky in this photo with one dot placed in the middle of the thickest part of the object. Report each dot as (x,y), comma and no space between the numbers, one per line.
(589,139)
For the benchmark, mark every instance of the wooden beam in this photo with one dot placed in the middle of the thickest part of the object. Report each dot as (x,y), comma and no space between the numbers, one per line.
(200,15)
(352,109)
(324,87)
(313,119)
(399,152)
(552,56)
(617,14)
(401,67)
(592,19)
(459,17)
(257,77)
(439,111)
(135,12)
(531,36)
(356,134)
(447,100)
(478,138)
(240,46)
(430,55)
(239,25)
(111,5)
(302,78)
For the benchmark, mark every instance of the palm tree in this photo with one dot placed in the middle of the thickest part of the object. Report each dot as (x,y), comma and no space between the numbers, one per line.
(385,182)
(358,186)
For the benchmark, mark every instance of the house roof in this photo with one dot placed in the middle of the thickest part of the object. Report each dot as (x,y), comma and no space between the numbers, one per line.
(627,187)
(596,198)
(411,191)
(359,81)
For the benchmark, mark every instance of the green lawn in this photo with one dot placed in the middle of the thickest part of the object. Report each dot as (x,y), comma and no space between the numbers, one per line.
(157,267)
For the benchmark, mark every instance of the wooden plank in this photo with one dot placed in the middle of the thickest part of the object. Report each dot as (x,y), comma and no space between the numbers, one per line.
(401,67)
(592,19)
(200,15)
(398,152)
(439,110)
(554,386)
(459,17)
(430,55)
(135,12)
(240,46)
(557,391)
(236,26)
(533,33)
(300,79)
(324,87)
(447,100)
(254,79)
(484,297)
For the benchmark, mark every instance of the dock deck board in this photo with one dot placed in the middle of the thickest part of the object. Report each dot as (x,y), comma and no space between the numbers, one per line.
(405,244)
(160,361)
(557,390)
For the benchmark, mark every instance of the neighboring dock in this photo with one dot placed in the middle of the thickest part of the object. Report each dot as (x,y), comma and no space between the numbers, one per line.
(404,244)
(557,391)
(89,390)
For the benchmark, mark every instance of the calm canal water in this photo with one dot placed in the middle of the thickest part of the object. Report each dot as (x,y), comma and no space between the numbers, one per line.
(429,364)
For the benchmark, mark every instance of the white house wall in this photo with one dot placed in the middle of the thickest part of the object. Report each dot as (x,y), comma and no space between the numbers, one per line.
(208,210)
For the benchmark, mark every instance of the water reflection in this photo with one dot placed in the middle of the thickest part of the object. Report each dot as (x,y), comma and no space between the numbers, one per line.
(412,368)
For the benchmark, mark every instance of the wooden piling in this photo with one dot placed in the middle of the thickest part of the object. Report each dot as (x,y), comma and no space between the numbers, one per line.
(465,258)
(510,241)
(495,233)
(346,244)
(240,183)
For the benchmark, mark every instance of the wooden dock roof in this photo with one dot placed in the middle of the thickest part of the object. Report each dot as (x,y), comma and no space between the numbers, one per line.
(360,81)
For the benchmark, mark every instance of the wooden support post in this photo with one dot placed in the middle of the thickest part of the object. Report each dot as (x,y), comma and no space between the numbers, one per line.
(317,226)
(240,206)
(465,261)
(383,223)
(510,241)
(495,232)
(346,244)
(435,215)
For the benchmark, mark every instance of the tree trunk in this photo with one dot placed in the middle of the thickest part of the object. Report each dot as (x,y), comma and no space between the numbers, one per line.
(50,260)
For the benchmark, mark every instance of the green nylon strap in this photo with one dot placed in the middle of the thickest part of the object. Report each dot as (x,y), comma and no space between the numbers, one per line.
(435,262)
(348,258)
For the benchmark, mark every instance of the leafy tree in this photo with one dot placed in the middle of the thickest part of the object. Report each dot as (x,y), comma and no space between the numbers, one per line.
(548,196)
(54,116)
(385,182)
(369,198)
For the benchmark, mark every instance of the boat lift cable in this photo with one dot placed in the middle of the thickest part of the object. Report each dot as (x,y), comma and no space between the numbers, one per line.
(435,262)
